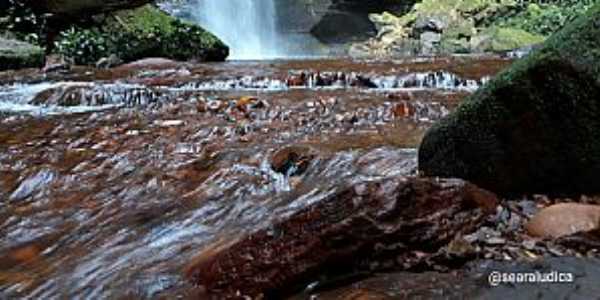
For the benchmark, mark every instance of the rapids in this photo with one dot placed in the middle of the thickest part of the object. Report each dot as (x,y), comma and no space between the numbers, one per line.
(111,186)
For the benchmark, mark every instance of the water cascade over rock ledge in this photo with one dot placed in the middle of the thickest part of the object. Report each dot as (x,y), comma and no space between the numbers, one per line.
(248,27)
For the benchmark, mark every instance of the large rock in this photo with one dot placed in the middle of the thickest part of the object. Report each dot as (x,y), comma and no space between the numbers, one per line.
(535,127)
(139,33)
(16,54)
(345,21)
(78,8)
(499,39)
(354,226)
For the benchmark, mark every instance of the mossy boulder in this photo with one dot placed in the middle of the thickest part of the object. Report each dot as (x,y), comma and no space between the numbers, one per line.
(17,54)
(535,128)
(139,33)
(499,39)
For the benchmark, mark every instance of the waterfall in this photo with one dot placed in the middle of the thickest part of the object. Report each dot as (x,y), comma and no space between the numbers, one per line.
(248,27)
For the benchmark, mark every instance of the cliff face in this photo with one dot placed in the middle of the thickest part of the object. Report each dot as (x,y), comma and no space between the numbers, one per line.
(335,21)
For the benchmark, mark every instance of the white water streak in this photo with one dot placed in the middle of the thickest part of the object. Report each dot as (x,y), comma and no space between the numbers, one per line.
(248,27)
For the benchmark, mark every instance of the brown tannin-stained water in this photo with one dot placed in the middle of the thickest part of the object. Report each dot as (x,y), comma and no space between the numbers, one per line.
(111,182)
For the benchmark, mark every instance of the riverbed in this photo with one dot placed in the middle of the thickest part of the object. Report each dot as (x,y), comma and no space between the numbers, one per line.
(113,180)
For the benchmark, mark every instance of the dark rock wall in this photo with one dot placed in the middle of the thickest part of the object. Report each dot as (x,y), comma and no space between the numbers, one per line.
(335,21)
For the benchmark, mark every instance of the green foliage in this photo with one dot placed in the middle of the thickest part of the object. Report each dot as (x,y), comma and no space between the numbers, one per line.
(83,46)
(16,17)
(543,19)
(144,32)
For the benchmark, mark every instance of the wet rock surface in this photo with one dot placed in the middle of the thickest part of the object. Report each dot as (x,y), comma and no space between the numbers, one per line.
(473,283)
(347,229)
(118,178)
(114,181)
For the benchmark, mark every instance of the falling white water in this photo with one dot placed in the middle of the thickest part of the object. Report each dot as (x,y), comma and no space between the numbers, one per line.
(248,27)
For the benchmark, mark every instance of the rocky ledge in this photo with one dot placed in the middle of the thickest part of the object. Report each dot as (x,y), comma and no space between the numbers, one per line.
(465,26)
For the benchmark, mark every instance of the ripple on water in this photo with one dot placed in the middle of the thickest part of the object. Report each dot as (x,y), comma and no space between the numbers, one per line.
(140,199)
(33,184)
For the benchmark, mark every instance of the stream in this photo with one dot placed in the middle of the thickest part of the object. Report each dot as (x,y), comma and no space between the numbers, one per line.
(112,181)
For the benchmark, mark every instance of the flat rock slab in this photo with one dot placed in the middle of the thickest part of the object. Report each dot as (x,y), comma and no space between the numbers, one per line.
(352,226)
(472,283)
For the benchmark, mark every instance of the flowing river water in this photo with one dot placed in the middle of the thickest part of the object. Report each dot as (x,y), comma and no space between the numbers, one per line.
(112,181)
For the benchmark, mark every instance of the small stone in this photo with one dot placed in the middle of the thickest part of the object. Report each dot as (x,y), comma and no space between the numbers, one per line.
(201,107)
(108,62)
(215,105)
(292,160)
(529,244)
(564,219)
(245,100)
(554,251)
(495,241)
(169,123)
(471,238)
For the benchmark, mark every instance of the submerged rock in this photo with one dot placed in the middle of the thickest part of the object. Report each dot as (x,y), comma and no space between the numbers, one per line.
(352,226)
(292,160)
(535,127)
(17,54)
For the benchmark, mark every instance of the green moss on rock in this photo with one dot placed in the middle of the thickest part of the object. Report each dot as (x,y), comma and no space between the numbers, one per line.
(499,39)
(138,33)
(535,128)
(16,54)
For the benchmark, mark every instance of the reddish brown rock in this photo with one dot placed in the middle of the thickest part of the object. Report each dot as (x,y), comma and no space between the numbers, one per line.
(152,63)
(354,225)
(293,160)
(564,219)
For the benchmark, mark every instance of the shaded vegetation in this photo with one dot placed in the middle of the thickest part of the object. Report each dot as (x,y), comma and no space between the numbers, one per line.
(142,32)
